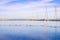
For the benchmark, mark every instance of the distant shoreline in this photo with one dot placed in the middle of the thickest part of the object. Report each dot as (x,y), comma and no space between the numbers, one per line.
(29,19)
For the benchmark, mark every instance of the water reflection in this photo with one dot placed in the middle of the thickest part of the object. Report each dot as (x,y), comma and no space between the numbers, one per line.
(29,30)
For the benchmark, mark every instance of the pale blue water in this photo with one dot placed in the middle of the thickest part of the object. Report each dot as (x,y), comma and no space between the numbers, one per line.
(29,31)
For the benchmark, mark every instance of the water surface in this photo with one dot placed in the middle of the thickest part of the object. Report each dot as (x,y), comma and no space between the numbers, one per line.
(29,30)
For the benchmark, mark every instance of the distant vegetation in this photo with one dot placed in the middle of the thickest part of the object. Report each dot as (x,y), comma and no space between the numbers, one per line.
(29,19)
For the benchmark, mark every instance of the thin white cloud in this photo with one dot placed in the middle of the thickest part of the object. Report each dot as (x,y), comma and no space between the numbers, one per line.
(4,1)
(47,0)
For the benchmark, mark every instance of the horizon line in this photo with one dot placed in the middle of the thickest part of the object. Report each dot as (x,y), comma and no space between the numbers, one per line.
(29,19)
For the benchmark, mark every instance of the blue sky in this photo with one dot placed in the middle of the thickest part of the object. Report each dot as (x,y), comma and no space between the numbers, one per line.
(28,8)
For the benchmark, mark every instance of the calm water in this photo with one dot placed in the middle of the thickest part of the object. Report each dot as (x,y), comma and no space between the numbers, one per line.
(29,30)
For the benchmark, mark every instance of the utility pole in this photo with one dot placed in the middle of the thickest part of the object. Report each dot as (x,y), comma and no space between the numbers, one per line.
(56,22)
(46,22)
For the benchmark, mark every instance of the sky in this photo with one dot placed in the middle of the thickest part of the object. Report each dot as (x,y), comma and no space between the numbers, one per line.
(28,9)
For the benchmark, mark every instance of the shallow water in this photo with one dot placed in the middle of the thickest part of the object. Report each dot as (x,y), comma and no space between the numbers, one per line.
(29,30)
